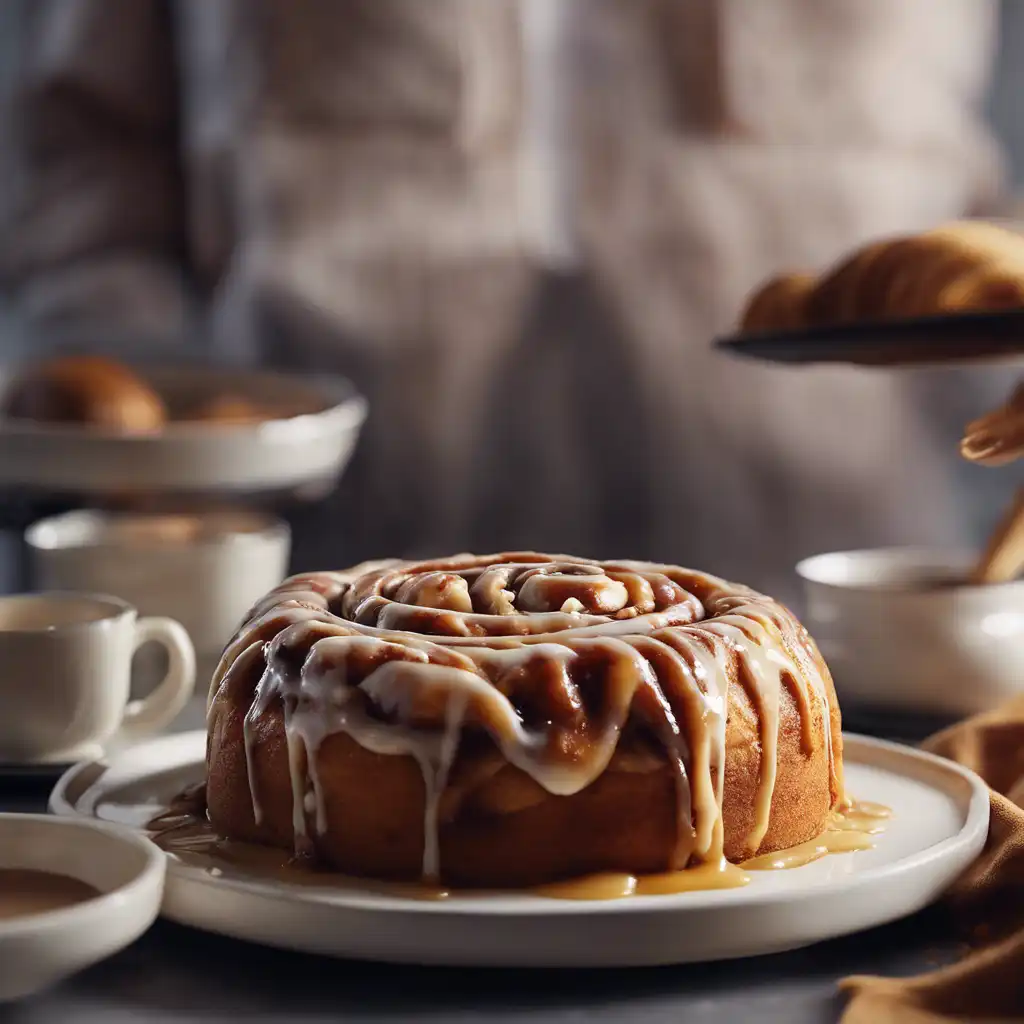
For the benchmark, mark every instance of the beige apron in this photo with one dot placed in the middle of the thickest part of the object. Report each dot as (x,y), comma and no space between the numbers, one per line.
(345,185)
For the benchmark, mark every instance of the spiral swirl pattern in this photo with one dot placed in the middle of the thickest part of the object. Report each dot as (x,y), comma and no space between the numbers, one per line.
(551,657)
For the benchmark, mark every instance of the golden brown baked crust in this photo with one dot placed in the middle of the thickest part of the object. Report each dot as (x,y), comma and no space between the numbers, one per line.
(965,266)
(497,824)
(780,304)
(89,390)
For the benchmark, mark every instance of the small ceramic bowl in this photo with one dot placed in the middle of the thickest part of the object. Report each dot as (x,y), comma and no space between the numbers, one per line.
(38,950)
(901,633)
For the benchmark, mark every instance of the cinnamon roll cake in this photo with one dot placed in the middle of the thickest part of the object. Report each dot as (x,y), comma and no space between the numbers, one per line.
(518,719)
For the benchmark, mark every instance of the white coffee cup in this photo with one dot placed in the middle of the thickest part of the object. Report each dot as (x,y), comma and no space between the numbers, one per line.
(67,661)
(901,633)
(204,569)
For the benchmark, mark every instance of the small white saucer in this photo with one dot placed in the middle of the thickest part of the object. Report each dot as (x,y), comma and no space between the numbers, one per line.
(39,950)
(939,824)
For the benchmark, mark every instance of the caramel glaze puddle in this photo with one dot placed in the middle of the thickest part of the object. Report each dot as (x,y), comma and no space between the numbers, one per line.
(25,891)
(184,831)
(850,829)
(613,885)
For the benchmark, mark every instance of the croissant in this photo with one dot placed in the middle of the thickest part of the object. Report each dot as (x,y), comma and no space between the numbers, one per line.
(927,272)
(780,304)
(842,295)
(965,266)
(993,286)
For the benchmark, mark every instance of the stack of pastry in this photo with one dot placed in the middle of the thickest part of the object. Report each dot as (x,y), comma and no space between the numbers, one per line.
(967,266)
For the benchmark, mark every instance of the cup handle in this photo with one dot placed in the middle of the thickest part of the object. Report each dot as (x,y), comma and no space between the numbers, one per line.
(162,706)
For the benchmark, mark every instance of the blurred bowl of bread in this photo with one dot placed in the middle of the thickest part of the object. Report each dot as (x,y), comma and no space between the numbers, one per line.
(88,424)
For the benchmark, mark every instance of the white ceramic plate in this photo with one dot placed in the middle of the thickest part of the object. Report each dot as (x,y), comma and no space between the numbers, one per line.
(939,825)
(281,454)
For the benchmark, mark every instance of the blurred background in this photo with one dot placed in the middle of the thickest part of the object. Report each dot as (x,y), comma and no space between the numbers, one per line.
(516,225)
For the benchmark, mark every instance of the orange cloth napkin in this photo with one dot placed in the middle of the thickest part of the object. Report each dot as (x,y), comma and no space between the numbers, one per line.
(988,983)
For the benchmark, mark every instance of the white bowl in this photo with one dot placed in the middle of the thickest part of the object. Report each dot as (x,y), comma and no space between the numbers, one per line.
(38,950)
(308,450)
(895,645)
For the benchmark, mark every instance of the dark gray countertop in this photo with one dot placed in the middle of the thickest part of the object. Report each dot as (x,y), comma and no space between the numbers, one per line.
(175,974)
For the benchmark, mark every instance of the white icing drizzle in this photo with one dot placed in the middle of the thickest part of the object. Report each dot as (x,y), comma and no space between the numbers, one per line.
(298,788)
(436,779)
(404,657)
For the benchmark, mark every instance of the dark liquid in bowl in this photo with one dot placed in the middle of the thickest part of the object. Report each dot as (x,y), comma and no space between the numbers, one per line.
(24,891)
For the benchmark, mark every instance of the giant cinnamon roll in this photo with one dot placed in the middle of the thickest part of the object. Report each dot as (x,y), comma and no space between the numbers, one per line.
(516,719)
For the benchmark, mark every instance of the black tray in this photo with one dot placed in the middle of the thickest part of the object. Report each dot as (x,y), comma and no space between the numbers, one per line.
(963,337)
